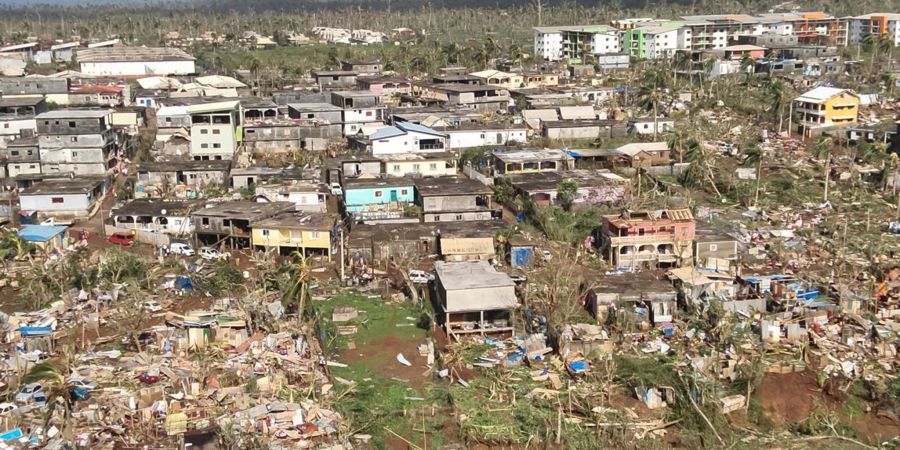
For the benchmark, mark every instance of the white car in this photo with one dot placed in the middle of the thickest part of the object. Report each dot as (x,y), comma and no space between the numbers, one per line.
(27,392)
(7,408)
(83,384)
(152,306)
(420,276)
(212,254)
(180,248)
(336,188)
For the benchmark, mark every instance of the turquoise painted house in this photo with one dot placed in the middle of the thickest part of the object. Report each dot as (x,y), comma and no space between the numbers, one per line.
(377,198)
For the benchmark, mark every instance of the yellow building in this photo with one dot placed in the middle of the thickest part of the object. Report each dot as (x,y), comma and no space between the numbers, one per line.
(435,164)
(498,78)
(310,233)
(538,79)
(826,107)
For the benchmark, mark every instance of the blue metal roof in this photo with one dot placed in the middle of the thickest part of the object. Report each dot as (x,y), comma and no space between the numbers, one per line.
(385,133)
(41,233)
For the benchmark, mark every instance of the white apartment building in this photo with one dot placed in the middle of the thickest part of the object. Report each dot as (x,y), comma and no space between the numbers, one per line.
(575,42)
(214,130)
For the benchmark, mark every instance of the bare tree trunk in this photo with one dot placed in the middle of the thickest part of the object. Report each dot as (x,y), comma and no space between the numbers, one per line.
(827,174)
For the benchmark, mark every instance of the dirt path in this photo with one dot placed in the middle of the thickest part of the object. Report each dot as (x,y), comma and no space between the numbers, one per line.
(381,356)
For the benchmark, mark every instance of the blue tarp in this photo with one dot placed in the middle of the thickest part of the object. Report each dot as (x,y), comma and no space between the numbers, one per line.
(15,433)
(578,366)
(184,283)
(35,331)
(41,233)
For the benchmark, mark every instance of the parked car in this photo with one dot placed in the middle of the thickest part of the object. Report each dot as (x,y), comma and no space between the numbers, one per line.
(420,276)
(83,384)
(152,306)
(212,254)
(39,400)
(27,392)
(180,248)
(336,188)
(121,238)
(7,408)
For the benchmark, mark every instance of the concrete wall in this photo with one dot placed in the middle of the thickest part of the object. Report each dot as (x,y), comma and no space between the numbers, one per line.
(423,168)
(74,204)
(589,132)
(481,138)
(29,168)
(457,217)
(448,203)
(74,125)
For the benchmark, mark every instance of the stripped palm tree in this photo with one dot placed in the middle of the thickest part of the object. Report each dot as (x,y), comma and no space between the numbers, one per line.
(700,167)
(753,156)
(298,287)
(822,150)
(53,381)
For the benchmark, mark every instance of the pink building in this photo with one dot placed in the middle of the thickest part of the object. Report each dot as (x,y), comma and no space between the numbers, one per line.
(648,238)
(737,52)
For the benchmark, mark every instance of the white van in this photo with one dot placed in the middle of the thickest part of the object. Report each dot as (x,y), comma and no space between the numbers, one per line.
(180,248)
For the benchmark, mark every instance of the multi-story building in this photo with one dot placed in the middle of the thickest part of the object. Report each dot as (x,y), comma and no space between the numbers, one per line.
(575,42)
(17,117)
(652,40)
(54,90)
(215,130)
(76,141)
(875,24)
(826,107)
(639,238)
(359,108)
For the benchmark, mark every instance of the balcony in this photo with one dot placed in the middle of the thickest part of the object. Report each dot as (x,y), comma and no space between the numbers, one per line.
(653,239)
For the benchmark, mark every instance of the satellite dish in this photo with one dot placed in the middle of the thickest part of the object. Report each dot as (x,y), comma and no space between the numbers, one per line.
(163,212)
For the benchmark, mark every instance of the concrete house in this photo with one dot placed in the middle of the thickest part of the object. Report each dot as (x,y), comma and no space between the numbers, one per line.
(641,297)
(594,186)
(135,61)
(378,199)
(231,223)
(17,117)
(63,197)
(646,125)
(485,98)
(470,135)
(385,86)
(183,179)
(23,157)
(404,137)
(308,196)
(54,90)
(215,130)
(335,79)
(645,154)
(156,216)
(359,107)
(474,298)
(648,238)
(510,161)
(306,232)
(826,107)
(78,141)
(417,165)
(365,67)
(454,199)
(96,95)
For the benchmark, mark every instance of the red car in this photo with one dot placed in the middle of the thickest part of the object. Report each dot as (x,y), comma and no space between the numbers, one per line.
(121,238)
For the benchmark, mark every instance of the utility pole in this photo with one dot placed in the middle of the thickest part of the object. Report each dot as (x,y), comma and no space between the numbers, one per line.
(342,253)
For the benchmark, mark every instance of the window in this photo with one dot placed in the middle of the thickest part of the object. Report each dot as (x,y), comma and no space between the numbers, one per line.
(14,153)
(74,154)
(58,200)
(32,166)
(204,145)
(217,131)
(377,194)
(217,145)
(713,247)
(416,167)
(313,234)
(403,191)
(168,120)
(437,218)
(74,139)
(28,152)
(368,113)
(204,131)
(71,124)
(459,217)
(205,221)
(432,166)
(265,233)
(5,125)
(396,167)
